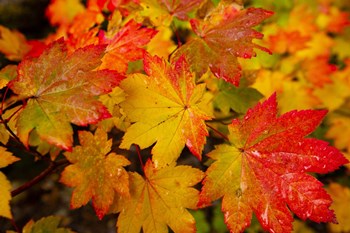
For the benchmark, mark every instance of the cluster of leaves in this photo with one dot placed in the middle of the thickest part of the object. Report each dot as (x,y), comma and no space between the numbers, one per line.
(112,66)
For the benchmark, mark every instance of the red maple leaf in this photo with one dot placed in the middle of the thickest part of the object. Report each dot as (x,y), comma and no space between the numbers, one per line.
(224,35)
(125,46)
(264,170)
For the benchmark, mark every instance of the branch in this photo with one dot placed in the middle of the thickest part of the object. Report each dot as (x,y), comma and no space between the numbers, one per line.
(218,132)
(52,167)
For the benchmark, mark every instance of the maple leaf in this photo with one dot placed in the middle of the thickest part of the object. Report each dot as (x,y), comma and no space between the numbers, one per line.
(340,195)
(318,70)
(180,8)
(264,168)
(161,12)
(287,41)
(13,44)
(160,199)
(161,44)
(4,135)
(95,172)
(239,99)
(222,41)
(62,12)
(125,46)
(7,73)
(167,100)
(47,224)
(6,158)
(339,131)
(112,101)
(61,90)
(112,5)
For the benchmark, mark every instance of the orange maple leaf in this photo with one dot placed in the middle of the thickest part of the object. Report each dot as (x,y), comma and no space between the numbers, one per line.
(287,41)
(263,170)
(125,46)
(95,173)
(318,70)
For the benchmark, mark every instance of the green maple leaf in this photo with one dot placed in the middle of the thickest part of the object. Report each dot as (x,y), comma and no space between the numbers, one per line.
(61,89)
(44,225)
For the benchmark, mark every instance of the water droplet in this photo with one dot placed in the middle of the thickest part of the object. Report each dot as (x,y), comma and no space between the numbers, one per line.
(238,192)
(264,216)
(155,163)
(119,171)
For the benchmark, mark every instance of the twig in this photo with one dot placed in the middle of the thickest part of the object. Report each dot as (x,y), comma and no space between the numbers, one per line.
(13,223)
(38,178)
(218,132)
(138,150)
(3,99)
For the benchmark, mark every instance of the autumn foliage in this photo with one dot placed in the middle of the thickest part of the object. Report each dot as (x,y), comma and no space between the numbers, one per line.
(220,101)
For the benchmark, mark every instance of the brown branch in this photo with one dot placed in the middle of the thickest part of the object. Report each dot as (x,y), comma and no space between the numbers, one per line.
(52,167)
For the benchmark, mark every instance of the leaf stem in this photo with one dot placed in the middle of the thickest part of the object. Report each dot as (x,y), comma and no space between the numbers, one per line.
(9,129)
(179,44)
(3,100)
(218,132)
(138,151)
(222,119)
(53,166)
(13,223)
(14,113)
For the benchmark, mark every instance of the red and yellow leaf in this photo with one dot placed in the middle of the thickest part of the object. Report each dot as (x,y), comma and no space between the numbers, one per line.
(180,8)
(159,200)
(264,170)
(61,89)
(95,173)
(125,46)
(225,34)
(168,108)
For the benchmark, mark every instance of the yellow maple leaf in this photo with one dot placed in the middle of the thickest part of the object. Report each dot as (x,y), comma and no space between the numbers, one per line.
(112,101)
(62,12)
(166,107)
(319,45)
(13,44)
(341,203)
(6,158)
(161,44)
(339,130)
(159,200)
(334,94)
